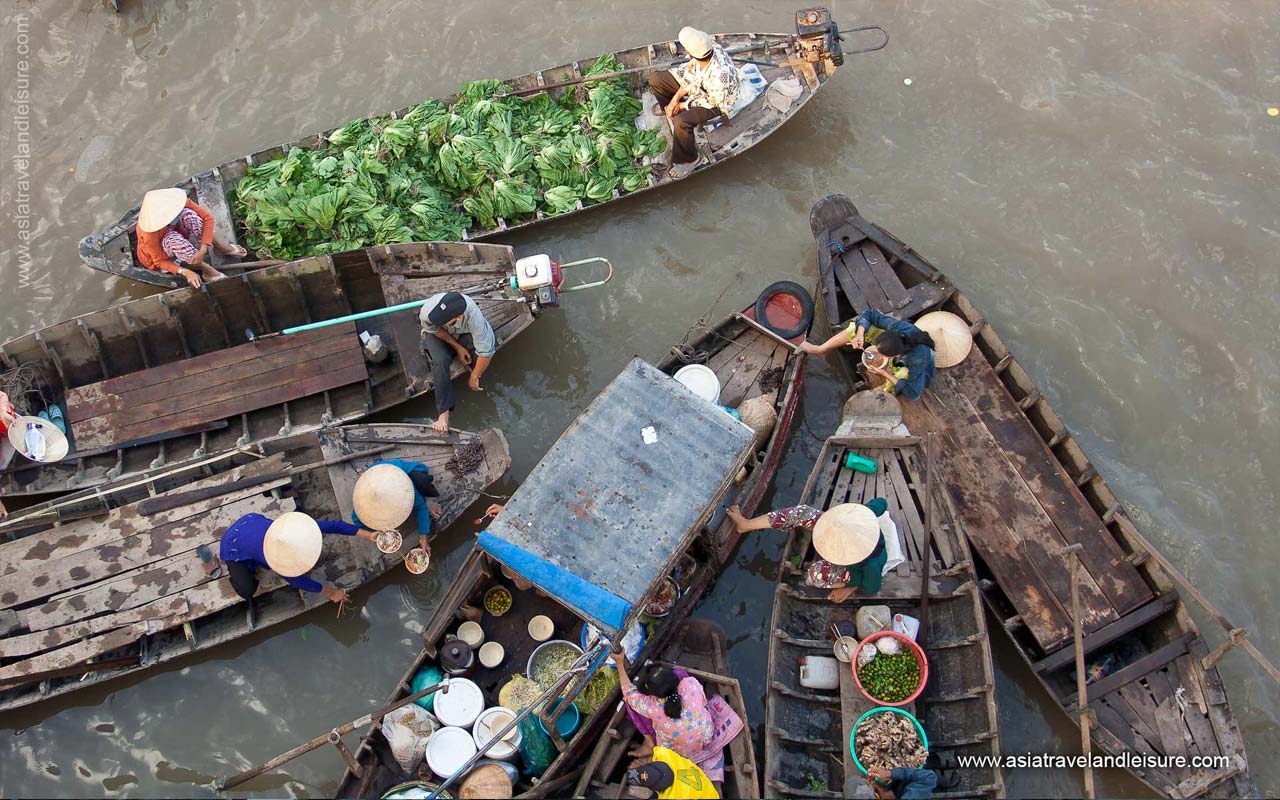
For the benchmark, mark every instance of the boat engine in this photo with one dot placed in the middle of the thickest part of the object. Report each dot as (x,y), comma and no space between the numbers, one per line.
(818,36)
(541,280)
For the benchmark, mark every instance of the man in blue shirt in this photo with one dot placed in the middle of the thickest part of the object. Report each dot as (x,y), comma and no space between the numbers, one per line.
(381,497)
(291,546)
(902,783)
(883,335)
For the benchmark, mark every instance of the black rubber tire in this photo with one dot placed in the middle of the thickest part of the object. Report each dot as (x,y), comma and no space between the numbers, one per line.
(800,294)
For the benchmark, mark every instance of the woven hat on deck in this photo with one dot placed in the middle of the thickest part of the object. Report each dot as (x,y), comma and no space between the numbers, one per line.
(383,497)
(489,782)
(952,338)
(292,545)
(846,534)
(759,415)
(55,441)
(159,208)
(696,43)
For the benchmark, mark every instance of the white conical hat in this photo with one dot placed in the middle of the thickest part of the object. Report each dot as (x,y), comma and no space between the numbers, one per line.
(292,545)
(383,497)
(846,534)
(952,339)
(159,207)
(55,441)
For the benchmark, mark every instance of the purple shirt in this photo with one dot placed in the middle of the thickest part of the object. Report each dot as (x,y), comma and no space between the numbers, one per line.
(243,542)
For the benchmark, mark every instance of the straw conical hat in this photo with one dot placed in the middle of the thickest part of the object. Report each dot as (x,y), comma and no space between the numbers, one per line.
(846,534)
(55,441)
(292,545)
(952,338)
(489,782)
(383,497)
(159,207)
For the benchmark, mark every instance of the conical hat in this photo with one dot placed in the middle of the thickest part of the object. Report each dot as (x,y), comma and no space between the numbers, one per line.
(159,207)
(846,534)
(489,782)
(292,545)
(952,338)
(383,497)
(55,441)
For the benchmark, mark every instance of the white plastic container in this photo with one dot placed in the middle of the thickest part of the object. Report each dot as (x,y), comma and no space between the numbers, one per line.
(818,672)
(905,625)
(489,724)
(448,750)
(533,272)
(701,380)
(460,706)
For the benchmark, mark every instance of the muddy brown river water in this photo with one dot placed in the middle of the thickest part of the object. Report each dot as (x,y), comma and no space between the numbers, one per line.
(1101,178)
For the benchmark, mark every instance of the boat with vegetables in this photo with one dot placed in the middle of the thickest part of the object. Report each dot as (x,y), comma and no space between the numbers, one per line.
(587,540)
(818,692)
(1023,493)
(495,157)
(699,647)
(239,363)
(109,583)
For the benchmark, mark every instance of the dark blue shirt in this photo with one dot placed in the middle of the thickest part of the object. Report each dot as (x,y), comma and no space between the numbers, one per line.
(243,542)
(420,508)
(918,360)
(912,784)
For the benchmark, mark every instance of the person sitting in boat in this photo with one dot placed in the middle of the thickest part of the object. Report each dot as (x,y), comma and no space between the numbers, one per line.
(670,775)
(454,327)
(902,783)
(901,355)
(704,87)
(851,549)
(8,415)
(392,490)
(291,546)
(675,716)
(174,235)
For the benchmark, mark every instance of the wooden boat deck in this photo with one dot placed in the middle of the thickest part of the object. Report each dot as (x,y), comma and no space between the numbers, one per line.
(807,730)
(1022,489)
(700,648)
(114,249)
(126,584)
(176,376)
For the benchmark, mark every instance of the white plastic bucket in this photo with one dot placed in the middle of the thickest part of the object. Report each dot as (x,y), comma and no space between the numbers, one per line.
(489,724)
(460,706)
(701,380)
(448,750)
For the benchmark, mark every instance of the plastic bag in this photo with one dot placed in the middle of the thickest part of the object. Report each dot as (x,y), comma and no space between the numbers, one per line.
(407,730)
(872,619)
(888,645)
(866,654)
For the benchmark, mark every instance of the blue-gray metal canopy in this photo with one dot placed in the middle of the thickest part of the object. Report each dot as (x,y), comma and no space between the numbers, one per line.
(605,513)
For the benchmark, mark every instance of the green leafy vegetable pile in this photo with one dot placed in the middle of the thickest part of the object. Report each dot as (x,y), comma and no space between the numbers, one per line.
(440,169)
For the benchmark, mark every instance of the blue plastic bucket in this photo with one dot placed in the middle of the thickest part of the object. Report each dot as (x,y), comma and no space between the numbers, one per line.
(924,740)
(567,723)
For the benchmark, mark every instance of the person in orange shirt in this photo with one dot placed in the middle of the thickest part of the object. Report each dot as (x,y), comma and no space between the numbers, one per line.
(168,226)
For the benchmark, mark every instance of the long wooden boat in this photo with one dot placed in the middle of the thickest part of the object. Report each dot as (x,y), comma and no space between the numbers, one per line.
(699,647)
(812,54)
(615,510)
(98,598)
(1022,489)
(807,731)
(189,373)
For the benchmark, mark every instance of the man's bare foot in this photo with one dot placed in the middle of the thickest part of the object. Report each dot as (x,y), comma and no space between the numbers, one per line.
(441,425)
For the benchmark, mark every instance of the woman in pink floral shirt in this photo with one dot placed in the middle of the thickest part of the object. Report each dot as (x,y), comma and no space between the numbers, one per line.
(681,721)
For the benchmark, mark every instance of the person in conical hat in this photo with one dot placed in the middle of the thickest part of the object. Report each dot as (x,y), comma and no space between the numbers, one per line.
(392,490)
(174,235)
(901,356)
(290,546)
(847,537)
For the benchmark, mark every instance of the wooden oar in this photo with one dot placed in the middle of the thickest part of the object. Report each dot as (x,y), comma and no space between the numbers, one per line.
(243,265)
(71,672)
(926,555)
(1082,701)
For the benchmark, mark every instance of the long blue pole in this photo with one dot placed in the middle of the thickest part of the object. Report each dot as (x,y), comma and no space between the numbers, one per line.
(377,312)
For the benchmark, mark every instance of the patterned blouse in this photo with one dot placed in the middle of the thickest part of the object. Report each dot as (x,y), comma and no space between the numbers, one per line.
(687,735)
(819,573)
(715,87)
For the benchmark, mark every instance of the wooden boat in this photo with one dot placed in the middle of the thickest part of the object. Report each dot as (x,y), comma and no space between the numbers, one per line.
(189,373)
(613,526)
(699,648)
(812,54)
(97,598)
(807,731)
(1022,489)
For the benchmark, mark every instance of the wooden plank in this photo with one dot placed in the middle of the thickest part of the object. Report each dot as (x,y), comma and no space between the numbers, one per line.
(1109,633)
(1167,716)
(77,652)
(1118,725)
(848,283)
(26,644)
(888,281)
(1057,494)
(212,195)
(1138,669)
